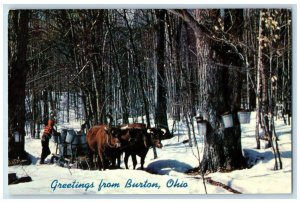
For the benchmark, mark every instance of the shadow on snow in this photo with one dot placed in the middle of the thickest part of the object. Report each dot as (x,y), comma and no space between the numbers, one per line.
(164,167)
(254,156)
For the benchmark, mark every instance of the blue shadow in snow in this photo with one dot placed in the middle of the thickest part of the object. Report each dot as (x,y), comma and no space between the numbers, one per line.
(164,167)
(33,159)
(253,156)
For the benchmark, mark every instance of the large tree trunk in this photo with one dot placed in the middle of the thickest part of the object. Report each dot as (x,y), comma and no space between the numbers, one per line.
(161,93)
(220,94)
(17,80)
(223,150)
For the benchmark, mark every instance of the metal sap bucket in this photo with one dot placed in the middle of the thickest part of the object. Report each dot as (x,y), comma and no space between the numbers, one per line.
(202,128)
(71,137)
(63,136)
(227,120)
(17,136)
(244,117)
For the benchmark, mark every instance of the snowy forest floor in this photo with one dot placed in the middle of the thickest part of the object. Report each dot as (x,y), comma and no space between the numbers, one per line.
(168,172)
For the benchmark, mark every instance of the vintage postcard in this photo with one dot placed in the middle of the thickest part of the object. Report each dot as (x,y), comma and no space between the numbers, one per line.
(150,101)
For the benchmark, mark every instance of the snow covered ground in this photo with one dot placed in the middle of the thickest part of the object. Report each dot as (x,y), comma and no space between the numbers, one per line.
(173,160)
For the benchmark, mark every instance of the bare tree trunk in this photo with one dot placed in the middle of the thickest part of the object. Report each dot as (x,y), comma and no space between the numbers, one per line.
(258,89)
(123,75)
(161,94)
(34,114)
(96,87)
(51,100)
(289,68)
(189,130)
(39,120)
(68,106)
(17,81)
(276,144)
(137,65)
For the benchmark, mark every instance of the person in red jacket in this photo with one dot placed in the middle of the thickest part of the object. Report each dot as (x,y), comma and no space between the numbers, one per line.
(48,131)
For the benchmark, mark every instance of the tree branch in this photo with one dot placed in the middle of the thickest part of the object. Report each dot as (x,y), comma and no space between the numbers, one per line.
(193,23)
(201,29)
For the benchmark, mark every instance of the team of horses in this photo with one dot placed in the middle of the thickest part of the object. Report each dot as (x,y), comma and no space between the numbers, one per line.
(109,142)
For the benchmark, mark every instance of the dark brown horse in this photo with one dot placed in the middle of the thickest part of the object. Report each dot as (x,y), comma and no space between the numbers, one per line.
(139,140)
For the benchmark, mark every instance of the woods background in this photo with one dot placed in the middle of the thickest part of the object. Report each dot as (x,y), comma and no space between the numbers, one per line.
(129,63)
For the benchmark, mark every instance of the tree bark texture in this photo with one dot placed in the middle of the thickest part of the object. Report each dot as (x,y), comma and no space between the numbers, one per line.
(220,93)
(17,81)
(161,94)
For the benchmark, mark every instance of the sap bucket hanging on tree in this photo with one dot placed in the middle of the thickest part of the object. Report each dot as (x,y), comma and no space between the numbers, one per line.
(244,117)
(202,128)
(18,137)
(202,125)
(227,120)
(199,119)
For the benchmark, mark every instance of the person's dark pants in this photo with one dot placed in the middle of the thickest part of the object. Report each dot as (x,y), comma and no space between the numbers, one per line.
(45,149)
